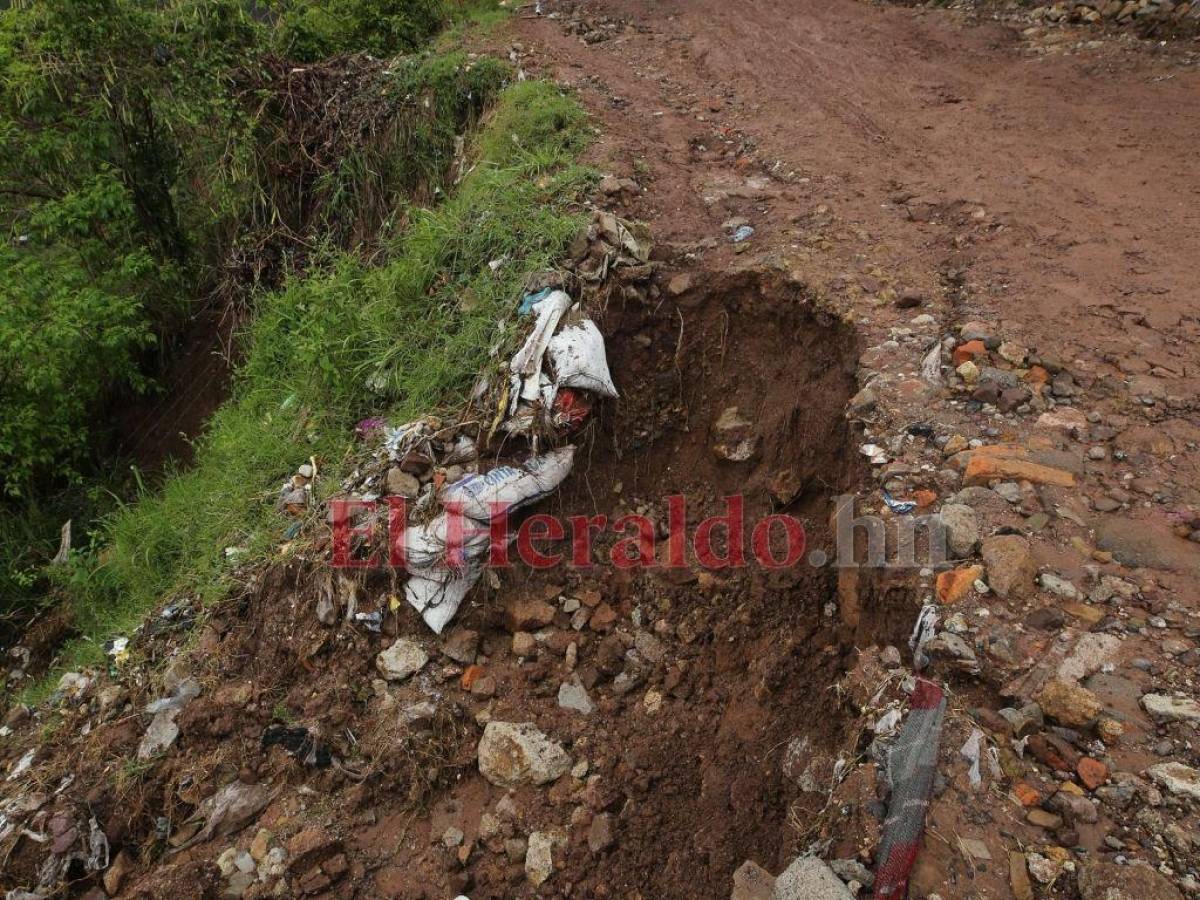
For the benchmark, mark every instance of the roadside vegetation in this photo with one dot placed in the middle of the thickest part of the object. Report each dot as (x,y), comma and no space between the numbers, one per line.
(151,150)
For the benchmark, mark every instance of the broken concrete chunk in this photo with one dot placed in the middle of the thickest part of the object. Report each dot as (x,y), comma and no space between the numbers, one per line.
(809,878)
(401,660)
(512,754)
(1177,778)
(1171,709)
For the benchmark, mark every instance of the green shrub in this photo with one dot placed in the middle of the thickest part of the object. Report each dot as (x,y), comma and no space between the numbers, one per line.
(345,341)
(310,30)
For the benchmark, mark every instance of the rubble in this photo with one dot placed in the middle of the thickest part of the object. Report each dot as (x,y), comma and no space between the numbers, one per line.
(512,754)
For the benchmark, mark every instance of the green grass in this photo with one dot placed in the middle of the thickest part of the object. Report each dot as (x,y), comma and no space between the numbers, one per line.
(347,341)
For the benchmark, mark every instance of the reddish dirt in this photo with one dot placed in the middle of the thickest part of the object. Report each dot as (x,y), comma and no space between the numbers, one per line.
(872,149)
(1056,187)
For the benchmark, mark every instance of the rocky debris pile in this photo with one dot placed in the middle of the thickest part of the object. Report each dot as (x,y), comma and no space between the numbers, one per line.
(1158,18)
(1060,551)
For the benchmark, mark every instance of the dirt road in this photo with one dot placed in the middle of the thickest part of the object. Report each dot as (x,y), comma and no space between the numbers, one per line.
(1063,184)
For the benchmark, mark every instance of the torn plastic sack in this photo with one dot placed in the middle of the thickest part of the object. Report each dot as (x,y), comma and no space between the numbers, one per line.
(910,771)
(428,546)
(506,488)
(437,593)
(526,364)
(577,355)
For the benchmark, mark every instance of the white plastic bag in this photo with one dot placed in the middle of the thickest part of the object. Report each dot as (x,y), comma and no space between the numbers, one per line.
(505,488)
(437,593)
(577,354)
(527,363)
(427,546)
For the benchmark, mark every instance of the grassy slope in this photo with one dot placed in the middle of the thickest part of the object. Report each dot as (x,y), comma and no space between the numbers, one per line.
(317,344)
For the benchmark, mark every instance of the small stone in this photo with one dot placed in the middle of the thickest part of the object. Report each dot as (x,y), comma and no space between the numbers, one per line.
(1107,881)
(114,875)
(1069,703)
(1010,565)
(968,351)
(752,882)
(1018,876)
(452,837)
(1059,586)
(524,613)
(600,833)
(968,372)
(401,484)
(809,878)
(401,660)
(1171,709)
(962,528)
(909,298)
(461,646)
(261,845)
(679,284)
(524,644)
(574,696)
(539,858)
(954,584)
(1092,773)
(512,754)
(1043,819)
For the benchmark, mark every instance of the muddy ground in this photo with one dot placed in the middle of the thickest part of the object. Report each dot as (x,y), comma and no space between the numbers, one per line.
(906,172)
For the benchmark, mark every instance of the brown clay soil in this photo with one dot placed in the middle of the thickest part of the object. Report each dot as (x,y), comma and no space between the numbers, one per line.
(873,149)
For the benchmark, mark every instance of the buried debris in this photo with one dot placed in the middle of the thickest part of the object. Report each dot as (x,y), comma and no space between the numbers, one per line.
(546,392)
(910,772)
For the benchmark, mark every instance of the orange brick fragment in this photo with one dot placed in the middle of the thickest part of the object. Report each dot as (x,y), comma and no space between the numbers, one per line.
(1027,794)
(1091,772)
(981,469)
(970,350)
(953,585)
(924,498)
(1037,375)
(470,676)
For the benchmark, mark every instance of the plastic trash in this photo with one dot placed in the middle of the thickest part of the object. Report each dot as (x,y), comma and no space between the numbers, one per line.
(428,546)
(910,773)
(530,300)
(437,593)
(577,355)
(506,488)
(970,752)
(526,364)
(571,410)
(923,632)
(900,507)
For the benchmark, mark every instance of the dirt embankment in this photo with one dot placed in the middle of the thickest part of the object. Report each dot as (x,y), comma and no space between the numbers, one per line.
(913,185)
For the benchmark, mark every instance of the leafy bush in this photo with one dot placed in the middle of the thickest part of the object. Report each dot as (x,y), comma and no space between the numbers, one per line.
(340,343)
(317,29)
(109,111)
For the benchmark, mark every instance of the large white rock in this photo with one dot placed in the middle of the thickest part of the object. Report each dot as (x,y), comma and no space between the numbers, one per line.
(809,878)
(401,660)
(1177,778)
(1171,709)
(515,753)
